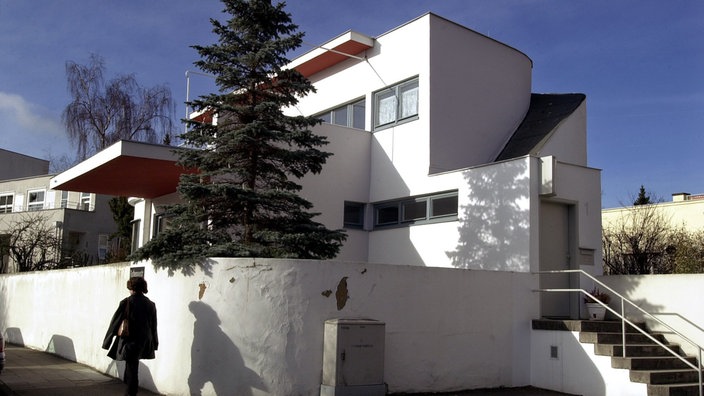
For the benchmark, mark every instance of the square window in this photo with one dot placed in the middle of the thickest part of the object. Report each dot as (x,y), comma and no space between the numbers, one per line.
(415,210)
(386,215)
(340,116)
(396,104)
(354,215)
(6,203)
(35,200)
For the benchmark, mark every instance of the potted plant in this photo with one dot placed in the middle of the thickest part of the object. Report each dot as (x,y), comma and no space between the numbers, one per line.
(595,310)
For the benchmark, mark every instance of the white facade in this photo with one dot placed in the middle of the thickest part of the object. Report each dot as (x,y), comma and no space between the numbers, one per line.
(442,157)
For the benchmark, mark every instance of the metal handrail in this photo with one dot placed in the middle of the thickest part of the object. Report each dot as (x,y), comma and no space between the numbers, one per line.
(622,316)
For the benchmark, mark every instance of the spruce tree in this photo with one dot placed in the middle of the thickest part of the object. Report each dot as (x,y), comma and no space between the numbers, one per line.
(242,200)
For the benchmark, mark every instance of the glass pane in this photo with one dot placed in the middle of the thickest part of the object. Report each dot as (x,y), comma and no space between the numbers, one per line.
(444,206)
(340,117)
(385,107)
(326,117)
(387,215)
(409,99)
(354,214)
(416,210)
(358,115)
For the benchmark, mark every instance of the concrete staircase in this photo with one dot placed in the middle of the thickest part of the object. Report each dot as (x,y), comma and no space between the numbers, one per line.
(648,362)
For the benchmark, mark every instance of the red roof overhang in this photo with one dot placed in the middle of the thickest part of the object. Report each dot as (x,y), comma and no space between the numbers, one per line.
(129,169)
(344,47)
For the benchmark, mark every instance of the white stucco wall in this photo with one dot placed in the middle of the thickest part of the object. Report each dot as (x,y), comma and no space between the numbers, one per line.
(577,369)
(674,299)
(255,327)
(479,92)
(568,142)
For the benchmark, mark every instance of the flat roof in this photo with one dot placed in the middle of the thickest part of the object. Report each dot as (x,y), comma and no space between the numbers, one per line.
(127,168)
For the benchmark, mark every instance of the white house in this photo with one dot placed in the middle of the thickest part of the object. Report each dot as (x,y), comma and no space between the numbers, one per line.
(442,158)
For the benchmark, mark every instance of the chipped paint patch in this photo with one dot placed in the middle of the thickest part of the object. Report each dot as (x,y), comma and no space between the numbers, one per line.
(201,290)
(327,293)
(342,294)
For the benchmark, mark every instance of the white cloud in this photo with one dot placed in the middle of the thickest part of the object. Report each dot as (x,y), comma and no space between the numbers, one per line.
(28,116)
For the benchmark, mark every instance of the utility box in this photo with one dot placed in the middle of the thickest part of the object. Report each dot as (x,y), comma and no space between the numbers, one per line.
(353,358)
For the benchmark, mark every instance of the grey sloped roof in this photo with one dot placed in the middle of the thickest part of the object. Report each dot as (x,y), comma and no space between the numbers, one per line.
(546,112)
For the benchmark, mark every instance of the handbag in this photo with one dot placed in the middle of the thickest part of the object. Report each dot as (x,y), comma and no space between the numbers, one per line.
(124,329)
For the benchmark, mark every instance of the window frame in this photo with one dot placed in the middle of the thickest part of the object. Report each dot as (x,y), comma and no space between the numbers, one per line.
(36,205)
(329,116)
(7,207)
(358,223)
(85,200)
(402,204)
(395,91)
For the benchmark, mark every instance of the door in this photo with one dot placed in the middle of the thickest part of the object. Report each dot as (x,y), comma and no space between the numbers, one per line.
(555,247)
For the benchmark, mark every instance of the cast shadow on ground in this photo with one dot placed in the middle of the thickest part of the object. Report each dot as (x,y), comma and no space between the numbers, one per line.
(216,359)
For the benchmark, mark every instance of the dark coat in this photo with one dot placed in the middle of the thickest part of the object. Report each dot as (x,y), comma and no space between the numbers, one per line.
(143,339)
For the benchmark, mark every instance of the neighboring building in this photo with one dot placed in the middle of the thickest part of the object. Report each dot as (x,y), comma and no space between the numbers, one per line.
(442,158)
(16,165)
(82,221)
(685,210)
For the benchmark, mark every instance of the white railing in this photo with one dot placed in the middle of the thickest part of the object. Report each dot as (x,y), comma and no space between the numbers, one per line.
(624,320)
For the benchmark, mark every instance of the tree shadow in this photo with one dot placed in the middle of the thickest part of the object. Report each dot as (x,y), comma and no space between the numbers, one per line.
(216,359)
(493,230)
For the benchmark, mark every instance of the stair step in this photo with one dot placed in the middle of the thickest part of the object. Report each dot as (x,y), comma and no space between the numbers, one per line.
(651,363)
(617,338)
(689,389)
(659,377)
(635,350)
(594,326)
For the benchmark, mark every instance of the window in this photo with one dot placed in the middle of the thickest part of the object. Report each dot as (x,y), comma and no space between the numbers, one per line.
(85,201)
(396,104)
(160,224)
(136,226)
(64,199)
(103,247)
(35,200)
(422,208)
(350,115)
(6,203)
(354,215)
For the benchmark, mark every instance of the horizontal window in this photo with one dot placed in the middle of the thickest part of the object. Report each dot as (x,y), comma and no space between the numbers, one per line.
(350,115)
(396,104)
(412,210)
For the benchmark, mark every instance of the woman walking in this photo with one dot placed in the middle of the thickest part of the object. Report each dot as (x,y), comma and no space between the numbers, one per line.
(137,339)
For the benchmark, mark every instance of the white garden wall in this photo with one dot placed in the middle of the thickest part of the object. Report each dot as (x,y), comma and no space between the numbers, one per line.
(255,327)
(675,299)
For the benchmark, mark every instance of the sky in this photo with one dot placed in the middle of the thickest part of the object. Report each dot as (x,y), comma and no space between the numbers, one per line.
(639,62)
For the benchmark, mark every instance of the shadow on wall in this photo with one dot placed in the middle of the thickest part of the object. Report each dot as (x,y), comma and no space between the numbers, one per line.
(493,231)
(216,359)
(13,335)
(62,346)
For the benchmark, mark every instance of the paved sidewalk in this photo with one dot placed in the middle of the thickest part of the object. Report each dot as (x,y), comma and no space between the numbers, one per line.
(30,372)
(33,373)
